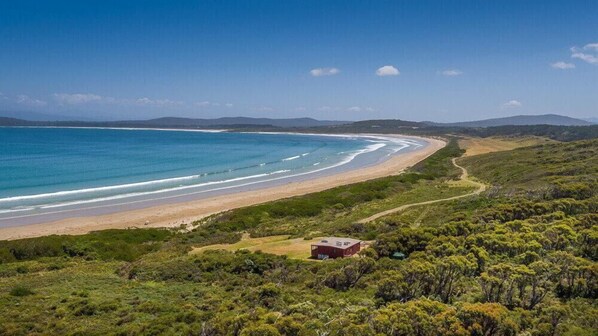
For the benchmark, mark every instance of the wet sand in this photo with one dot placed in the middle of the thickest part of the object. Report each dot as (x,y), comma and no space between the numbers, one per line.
(173,215)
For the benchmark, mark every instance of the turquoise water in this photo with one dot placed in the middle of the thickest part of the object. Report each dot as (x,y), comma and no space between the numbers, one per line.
(48,169)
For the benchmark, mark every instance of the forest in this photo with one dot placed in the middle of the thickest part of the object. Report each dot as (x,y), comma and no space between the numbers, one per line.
(518,259)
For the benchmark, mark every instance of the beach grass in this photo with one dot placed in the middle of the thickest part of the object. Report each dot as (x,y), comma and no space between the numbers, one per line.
(476,146)
(294,248)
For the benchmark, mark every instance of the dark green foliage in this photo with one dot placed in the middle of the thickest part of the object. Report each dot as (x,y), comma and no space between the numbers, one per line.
(204,266)
(349,275)
(558,133)
(20,290)
(554,132)
(106,245)
(405,240)
(437,165)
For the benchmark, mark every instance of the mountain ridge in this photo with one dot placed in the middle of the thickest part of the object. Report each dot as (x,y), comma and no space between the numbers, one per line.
(519,120)
(236,122)
(179,122)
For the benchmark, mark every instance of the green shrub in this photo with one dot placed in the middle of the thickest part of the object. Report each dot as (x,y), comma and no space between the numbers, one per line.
(125,245)
(20,290)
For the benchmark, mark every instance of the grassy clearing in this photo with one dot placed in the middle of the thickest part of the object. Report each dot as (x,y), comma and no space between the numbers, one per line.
(294,248)
(476,146)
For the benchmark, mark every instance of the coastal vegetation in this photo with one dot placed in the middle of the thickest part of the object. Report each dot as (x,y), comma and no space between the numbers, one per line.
(553,132)
(518,259)
(477,146)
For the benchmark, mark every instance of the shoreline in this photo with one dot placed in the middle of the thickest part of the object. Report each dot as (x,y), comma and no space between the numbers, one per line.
(175,214)
(130,199)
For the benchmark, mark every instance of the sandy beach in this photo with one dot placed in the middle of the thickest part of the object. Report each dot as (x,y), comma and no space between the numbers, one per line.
(173,215)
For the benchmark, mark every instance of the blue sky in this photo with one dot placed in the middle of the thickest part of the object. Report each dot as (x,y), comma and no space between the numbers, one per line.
(349,60)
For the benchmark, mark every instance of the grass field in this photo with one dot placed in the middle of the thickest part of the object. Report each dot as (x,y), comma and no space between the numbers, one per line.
(296,248)
(476,146)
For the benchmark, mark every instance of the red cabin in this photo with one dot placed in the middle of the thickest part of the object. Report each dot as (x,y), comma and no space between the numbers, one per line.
(335,248)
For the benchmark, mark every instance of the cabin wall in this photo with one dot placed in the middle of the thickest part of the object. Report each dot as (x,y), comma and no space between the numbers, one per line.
(333,252)
(352,250)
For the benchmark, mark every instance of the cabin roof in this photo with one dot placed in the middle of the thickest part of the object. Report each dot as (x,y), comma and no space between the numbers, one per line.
(336,242)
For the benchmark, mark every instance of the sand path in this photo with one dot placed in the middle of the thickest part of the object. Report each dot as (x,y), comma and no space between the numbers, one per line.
(464,177)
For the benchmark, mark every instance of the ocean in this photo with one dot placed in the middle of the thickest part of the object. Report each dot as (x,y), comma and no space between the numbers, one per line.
(51,172)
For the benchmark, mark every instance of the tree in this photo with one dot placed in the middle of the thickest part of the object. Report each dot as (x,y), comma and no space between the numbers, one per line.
(260,330)
(502,282)
(418,317)
(349,275)
(487,319)
(575,276)
(560,236)
(448,271)
(552,318)
(540,282)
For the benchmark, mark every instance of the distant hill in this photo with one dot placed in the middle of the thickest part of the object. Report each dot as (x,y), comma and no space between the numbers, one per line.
(555,132)
(4,121)
(231,121)
(520,120)
(308,125)
(174,122)
(383,123)
(36,116)
(245,122)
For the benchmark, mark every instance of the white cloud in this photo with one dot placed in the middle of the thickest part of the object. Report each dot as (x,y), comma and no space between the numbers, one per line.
(265,109)
(157,102)
(76,98)
(317,72)
(360,109)
(84,98)
(512,104)
(591,46)
(300,109)
(26,100)
(211,104)
(325,109)
(89,98)
(589,53)
(563,65)
(3,96)
(387,70)
(144,101)
(585,57)
(452,72)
